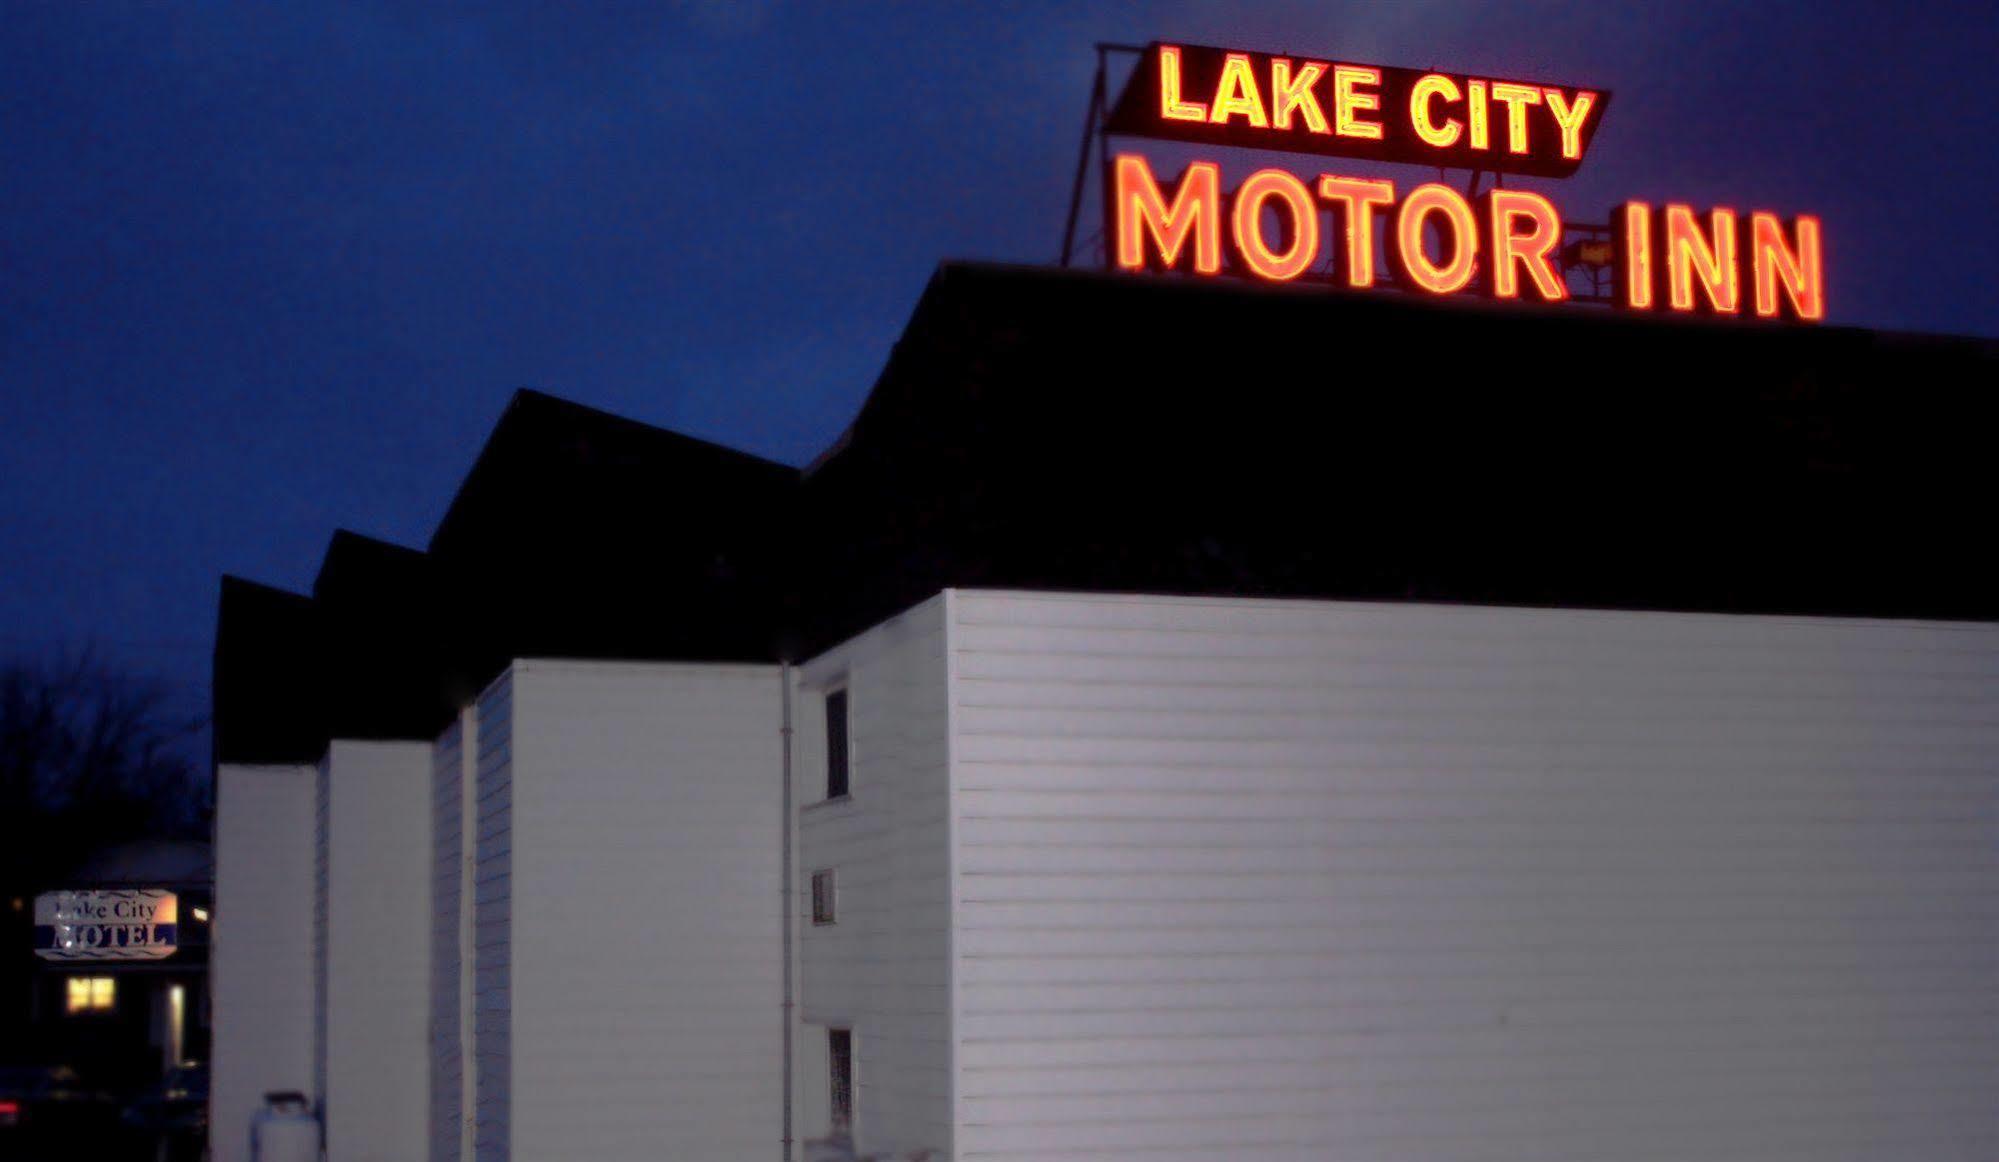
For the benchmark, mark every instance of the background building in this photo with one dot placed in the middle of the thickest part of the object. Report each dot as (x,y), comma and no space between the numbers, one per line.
(101,1046)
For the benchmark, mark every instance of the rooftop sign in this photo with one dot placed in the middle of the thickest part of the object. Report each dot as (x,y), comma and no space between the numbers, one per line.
(1255,100)
(106,925)
(1277,226)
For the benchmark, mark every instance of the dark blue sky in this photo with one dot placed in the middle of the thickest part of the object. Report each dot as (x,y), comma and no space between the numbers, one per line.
(266,270)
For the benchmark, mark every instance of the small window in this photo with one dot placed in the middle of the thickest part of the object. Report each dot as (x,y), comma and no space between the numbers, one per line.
(824,901)
(840,1053)
(836,743)
(91,994)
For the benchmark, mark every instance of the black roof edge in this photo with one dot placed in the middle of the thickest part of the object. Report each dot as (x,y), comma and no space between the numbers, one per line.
(346,544)
(952,270)
(254,622)
(525,402)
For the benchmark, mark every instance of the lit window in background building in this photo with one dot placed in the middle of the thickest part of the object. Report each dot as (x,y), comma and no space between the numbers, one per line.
(92,994)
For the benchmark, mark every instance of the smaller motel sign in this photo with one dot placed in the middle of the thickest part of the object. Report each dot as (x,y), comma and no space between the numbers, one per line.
(139,924)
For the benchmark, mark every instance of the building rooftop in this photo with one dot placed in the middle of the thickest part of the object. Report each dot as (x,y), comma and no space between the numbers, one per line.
(1060,429)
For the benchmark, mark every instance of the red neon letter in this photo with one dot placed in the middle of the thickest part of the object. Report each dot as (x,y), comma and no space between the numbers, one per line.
(1196,210)
(1236,93)
(1571,118)
(1534,248)
(1288,93)
(1433,85)
(1346,102)
(1634,255)
(1303,228)
(1360,197)
(1412,261)
(1516,98)
(1689,255)
(1800,269)
(1475,113)
(1171,107)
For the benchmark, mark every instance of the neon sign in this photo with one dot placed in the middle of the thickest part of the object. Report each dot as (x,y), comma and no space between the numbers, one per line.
(1219,97)
(1277,226)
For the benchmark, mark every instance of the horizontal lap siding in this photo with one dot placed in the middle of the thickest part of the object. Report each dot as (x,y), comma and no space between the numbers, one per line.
(492,945)
(378,966)
(321,821)
(1286,880)
(884,968)
(263,963)
(647,989)
(447,832)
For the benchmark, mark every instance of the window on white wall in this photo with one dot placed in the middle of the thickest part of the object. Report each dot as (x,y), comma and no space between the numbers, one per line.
(824,901)
(91,994)
(840,1068)
(836,743)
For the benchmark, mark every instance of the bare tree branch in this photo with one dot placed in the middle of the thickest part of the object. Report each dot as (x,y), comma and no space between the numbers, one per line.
(88,757)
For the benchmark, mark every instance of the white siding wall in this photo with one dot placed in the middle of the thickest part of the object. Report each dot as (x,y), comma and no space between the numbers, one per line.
(377,951)
(492,941)
(1287,880)
(811,1086)
(884,969)
(450,945)
(321,822)
(646,932)
(261,959)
